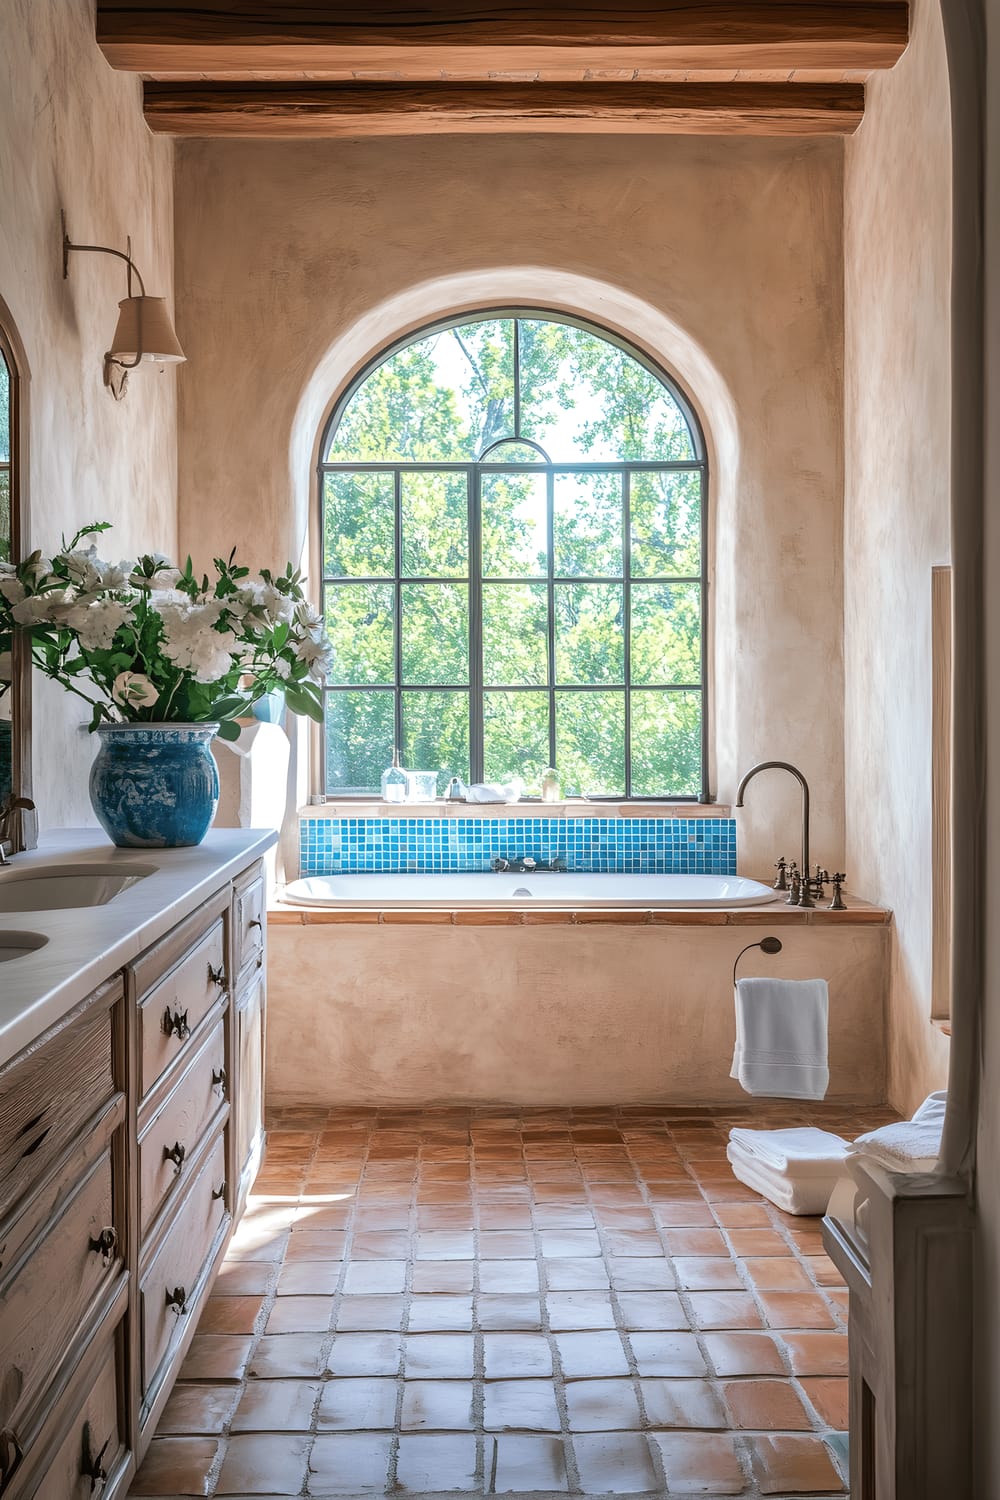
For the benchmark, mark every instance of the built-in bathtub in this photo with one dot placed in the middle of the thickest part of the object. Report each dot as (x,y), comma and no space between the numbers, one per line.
(503,891)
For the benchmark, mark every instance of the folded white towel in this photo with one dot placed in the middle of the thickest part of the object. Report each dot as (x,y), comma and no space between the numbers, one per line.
(798,1195)
(803,1151)
(781,1037)
(909,1145)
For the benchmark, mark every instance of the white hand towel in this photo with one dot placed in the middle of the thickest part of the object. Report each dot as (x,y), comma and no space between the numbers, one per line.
(798,1195)
(781,1037)
(909,1146)
(803,1151)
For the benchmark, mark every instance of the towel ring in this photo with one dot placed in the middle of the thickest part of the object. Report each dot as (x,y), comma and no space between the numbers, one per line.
(766,945)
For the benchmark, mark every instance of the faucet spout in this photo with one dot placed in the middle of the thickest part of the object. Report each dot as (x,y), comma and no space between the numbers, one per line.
(783,765)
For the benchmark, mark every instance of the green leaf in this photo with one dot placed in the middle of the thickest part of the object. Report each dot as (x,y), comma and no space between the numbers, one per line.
(229,730)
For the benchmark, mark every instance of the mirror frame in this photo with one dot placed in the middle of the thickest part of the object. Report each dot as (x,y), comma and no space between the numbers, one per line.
(17,365)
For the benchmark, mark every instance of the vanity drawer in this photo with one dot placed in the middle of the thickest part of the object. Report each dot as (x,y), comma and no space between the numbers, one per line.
(250,916)
(50,1092)
(173,1279)
(46,1290)
(170,1012)
(94,1442)
(179,1125)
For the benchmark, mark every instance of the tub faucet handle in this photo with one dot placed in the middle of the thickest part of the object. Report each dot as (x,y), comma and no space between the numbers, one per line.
(838,904)
(781,884)
(498,863)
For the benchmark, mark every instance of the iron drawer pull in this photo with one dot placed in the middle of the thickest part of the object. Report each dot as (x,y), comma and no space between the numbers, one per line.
(217,976)
(219,1079)
(255,922)
(175,1023)
(177,1299)
(175,1153)
(91,1466)
(106,1244)
(220,1191)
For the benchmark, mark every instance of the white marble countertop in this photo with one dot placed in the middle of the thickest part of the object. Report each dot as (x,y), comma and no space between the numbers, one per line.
(87,944)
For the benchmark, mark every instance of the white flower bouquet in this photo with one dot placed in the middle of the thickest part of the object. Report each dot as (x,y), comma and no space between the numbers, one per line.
(146,642)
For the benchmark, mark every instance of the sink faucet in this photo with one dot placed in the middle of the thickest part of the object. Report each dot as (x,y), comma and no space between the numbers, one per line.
(805,897)
(8,815)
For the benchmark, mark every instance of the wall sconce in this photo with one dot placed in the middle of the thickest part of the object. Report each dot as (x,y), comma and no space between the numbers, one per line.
(144,330)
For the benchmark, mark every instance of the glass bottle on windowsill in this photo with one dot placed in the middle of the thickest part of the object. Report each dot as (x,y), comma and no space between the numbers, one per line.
(395,781)
(550,784)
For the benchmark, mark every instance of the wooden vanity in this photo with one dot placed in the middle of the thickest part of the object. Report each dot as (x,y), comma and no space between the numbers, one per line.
(130,1132)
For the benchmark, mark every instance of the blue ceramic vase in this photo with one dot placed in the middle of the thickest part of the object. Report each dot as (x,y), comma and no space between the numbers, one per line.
(155,786)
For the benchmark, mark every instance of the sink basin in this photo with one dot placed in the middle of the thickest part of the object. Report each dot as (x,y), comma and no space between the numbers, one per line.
(59,887)
(19,944)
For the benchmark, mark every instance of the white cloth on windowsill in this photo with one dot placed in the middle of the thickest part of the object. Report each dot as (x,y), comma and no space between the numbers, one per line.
(781,1038)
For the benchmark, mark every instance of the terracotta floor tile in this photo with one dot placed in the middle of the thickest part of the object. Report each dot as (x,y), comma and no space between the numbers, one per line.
(667,1354)
(602,1406)
(794,1465)
(349,1464)
(360,1313)
(586,1355)
(707,1274)
(287,1354)
(652,1310)
(240,1277)
(576,1275)
(380,1244)
(525,1405)
(217,1356)
(440,1405)
(178,1466)
(830,1398)
(327,1218)
(576,1310)
(743,1354)
(443,1313)
(822,1269)
(270,1463)
(515,1219)
(382,1220)
(445,1275)
(758,1242)
(766,1406)
(444,1244)
(375,1276)
(682,1403)
(499,1244)
(774,1273)
(817,1353)
(637,1220)
(840,1301)
(698,1464)
(329,1244)
(563,1216)
(447,1356)
(685,1213)
(365,1354)
(444,1216)
(633,1242)
(695,1242)
(526,1464)
(743,1216)
(724,1310)
(276,1406)
(198,1408)
(309,1278)
(300,1315)
(510,1276)
(429,1463)
(641,1274)
(796,1310)
(614,1463)
(516,1355)
(565,1244)
(348,1405)
(503,1312)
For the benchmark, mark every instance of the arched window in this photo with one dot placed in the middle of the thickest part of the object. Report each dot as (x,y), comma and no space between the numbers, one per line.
(513,525)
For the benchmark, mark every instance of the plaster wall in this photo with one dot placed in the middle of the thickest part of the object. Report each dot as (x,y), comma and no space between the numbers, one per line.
(72,137)
(364,1014)
(288,250)
(897,238)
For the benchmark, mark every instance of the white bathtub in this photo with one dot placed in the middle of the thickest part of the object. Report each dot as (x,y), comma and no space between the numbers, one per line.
(386,892)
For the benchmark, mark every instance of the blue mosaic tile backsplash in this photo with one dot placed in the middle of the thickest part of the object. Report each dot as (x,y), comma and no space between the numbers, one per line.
(653,846)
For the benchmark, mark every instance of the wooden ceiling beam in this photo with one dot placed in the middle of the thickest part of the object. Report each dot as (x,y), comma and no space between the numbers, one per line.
(300,112)
(272,39)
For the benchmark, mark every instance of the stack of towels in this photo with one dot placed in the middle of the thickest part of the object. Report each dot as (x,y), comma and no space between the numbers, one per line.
(798,1169)
(795,1169)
